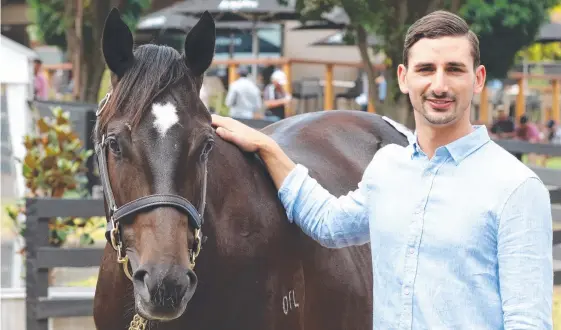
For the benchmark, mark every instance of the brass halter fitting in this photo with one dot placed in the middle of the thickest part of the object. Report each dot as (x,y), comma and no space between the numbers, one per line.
(197,244)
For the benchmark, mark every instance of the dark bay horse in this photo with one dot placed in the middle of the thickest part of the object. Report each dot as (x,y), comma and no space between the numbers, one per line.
(171,185)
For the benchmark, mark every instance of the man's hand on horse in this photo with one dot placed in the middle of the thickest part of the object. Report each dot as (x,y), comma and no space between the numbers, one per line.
(245,137)
(252,140)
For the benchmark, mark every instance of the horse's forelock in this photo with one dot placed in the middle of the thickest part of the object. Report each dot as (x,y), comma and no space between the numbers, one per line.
(156,70)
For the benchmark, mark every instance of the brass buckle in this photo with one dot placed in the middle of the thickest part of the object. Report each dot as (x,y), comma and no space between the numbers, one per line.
(115,239)
(197,250)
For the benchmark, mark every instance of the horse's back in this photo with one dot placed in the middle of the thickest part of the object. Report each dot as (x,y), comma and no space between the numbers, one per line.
(336,147)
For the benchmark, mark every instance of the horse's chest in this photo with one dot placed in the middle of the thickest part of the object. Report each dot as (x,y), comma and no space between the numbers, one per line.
(266,292)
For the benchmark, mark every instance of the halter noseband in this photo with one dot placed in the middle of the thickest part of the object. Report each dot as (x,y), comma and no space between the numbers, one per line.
(118,214)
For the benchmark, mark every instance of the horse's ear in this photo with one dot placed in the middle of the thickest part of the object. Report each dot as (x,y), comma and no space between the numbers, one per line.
(117,44)
(199,45)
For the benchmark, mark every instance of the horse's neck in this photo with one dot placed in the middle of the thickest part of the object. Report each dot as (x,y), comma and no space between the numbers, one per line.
(240,189)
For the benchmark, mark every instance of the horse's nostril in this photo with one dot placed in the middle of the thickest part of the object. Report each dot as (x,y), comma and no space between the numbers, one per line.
(192,277)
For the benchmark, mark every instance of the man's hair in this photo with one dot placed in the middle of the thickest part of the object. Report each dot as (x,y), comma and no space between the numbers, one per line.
(440,24)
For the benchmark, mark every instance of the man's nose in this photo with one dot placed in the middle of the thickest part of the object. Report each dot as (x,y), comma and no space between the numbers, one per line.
(439,84)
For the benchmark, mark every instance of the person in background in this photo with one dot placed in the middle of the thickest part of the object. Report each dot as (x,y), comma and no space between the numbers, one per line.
(553,132)
(40,81)
(382,87)
(244,97)
(275,96)
(504,128)
(552,135)
(529,132)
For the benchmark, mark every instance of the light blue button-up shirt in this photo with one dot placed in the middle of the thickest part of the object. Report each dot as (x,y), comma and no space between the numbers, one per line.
(459,241)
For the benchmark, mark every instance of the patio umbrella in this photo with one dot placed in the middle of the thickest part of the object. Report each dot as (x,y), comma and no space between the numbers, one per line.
(550,32)
(253,11)
(338,39)
(166,21)
(337,18)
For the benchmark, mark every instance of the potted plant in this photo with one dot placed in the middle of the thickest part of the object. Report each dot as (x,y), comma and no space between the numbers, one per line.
(55,166)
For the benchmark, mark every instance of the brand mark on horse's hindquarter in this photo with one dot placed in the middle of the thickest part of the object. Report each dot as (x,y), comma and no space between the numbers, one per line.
(289,302)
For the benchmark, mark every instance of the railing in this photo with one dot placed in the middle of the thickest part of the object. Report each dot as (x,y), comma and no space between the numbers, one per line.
(40,258)
(287,64)
(554,88)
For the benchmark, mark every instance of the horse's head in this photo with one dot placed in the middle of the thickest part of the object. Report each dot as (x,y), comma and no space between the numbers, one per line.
(153,137)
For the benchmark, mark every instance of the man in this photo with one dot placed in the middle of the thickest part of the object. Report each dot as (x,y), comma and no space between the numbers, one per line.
(553,132)
(460,231)
(504,128)
(244,97)
(275,96)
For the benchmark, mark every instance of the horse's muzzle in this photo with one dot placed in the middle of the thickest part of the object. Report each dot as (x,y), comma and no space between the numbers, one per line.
(162,291)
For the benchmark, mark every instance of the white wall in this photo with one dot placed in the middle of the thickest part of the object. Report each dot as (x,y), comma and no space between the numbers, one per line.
(16,74)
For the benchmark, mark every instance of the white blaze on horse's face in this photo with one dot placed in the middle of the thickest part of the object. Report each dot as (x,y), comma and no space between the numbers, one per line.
(165,117)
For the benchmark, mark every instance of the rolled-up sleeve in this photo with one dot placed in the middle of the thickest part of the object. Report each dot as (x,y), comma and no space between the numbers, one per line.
(332,222)
(525,257)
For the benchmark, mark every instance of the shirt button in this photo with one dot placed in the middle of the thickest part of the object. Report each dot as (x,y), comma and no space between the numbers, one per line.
(411,250)
(406,291)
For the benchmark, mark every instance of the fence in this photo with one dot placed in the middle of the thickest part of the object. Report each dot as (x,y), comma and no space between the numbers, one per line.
(41,257)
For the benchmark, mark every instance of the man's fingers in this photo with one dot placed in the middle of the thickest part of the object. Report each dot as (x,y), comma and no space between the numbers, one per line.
(217,120)
(223,133)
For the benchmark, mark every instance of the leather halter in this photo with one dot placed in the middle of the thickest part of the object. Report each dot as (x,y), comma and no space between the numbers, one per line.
(126,212)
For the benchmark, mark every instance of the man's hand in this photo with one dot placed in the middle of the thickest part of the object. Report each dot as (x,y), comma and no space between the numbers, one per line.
(251,140)
(245,137)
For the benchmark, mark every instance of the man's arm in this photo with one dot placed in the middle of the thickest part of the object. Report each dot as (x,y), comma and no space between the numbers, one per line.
(525,257)
(333,222)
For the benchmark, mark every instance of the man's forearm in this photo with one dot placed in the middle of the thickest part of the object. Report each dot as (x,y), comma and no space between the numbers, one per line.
(278,163)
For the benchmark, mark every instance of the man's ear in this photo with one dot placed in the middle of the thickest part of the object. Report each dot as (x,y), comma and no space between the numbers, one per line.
(117,44)
(480,79)
(199,45)
(402,78)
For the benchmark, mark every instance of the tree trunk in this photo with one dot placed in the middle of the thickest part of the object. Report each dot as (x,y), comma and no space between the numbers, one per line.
(94,64)
(72,40)
(87,70)
(362,41)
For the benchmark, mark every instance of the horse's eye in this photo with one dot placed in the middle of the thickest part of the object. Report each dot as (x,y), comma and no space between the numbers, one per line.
(114,146)
(207,149)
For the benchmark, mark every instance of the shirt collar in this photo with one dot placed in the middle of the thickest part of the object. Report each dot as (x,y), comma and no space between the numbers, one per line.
(459,149)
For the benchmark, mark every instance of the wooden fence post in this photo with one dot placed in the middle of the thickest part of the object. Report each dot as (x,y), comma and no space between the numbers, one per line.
(555,104)
(328,88)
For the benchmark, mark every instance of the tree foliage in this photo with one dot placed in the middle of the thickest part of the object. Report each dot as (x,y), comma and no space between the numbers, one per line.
(504,27)
(56,24)
(51,21)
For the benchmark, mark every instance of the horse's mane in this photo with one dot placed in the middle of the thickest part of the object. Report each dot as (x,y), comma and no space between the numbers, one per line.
(155,69)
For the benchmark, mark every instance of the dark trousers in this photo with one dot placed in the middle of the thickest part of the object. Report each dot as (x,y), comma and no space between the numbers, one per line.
(277,111)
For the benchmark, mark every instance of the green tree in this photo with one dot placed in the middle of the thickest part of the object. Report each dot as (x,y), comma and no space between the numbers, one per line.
(504,27)
(76,26)
(542,51)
